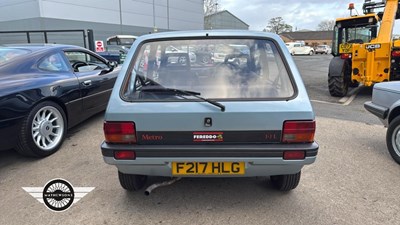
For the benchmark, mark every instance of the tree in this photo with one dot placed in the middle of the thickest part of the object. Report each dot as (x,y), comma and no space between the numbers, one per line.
(210,7)
(277,25)
(326,25)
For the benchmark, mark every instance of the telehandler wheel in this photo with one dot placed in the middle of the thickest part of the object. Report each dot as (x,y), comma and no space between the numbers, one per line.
(339,85)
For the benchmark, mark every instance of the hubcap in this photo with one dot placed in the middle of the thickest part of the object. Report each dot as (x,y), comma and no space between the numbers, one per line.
(47,128)
(396,140)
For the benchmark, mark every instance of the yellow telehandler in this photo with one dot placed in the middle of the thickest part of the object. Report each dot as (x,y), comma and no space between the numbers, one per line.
(363,49)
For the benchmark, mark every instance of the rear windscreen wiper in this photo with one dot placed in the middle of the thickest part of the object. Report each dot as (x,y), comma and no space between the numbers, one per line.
(182,92)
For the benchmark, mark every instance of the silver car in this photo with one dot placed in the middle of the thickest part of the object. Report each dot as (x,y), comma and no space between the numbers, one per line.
(178,118)
(385,105)
(323,49)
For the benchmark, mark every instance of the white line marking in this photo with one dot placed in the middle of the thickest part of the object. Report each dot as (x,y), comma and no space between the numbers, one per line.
(344,99)
(330,103)
(352,94)
(350,99)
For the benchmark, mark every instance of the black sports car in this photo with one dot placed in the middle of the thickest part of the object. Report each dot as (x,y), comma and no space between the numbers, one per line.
(47,89)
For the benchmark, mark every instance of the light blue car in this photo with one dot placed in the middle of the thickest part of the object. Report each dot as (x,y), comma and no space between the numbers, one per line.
(247,116)
(385,105)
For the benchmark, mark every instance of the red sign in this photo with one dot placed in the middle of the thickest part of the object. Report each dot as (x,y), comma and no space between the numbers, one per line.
(99,46)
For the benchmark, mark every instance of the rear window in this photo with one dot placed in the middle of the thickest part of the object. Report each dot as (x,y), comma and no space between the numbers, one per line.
(235,69)
(7,54)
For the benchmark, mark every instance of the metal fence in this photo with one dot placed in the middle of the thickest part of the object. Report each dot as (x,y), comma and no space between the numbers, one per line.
(72,37)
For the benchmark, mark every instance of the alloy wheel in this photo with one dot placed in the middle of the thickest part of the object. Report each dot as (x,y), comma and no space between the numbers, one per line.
(47,128)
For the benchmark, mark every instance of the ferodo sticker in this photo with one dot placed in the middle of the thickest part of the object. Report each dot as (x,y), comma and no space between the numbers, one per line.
(208,136)
(372,46)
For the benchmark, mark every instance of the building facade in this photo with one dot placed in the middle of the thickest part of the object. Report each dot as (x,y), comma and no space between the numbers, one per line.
(224,20)
(104,17)
(310,38)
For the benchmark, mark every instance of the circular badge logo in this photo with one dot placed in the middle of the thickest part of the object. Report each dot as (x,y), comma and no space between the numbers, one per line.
(58,195)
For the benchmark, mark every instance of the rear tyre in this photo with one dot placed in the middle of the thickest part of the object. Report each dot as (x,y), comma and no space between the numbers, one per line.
(42,131)
(286,182)
(311,53)
(393,139)
(339,85)
(132,182)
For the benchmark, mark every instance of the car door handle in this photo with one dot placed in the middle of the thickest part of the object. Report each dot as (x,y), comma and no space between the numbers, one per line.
(87,83)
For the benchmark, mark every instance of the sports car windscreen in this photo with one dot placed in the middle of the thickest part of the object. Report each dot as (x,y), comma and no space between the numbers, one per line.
(180,70)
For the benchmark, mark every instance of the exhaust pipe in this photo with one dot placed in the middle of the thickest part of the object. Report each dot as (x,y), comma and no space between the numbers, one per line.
(162,184)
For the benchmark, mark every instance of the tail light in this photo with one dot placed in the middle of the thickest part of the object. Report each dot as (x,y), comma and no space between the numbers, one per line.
(119,132)
(396,53)
(345,56)
(298,131)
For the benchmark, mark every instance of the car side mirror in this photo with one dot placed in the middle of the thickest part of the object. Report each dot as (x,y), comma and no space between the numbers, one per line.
(112,64)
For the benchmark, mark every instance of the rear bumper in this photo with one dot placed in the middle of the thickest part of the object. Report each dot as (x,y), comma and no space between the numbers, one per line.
(259,159)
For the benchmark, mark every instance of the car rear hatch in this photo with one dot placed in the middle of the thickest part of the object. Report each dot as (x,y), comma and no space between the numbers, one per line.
(172,101)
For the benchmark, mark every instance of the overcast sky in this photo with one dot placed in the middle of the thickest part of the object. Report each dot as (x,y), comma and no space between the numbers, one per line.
(300,14)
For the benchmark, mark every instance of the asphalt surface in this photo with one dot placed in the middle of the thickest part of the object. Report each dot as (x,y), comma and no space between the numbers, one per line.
(353,181)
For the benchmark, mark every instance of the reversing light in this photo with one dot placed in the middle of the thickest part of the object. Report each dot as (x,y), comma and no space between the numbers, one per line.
(119,132)
(298,131)
(294,155)
(123,154)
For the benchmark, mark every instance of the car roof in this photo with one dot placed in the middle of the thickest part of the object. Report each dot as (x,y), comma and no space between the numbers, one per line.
(208,33)
(122,36)
(40,46)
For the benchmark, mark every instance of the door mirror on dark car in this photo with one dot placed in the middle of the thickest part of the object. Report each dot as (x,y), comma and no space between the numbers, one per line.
(112,64)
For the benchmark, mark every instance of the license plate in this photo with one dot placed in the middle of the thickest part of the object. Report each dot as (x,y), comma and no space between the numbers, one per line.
(208,168)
